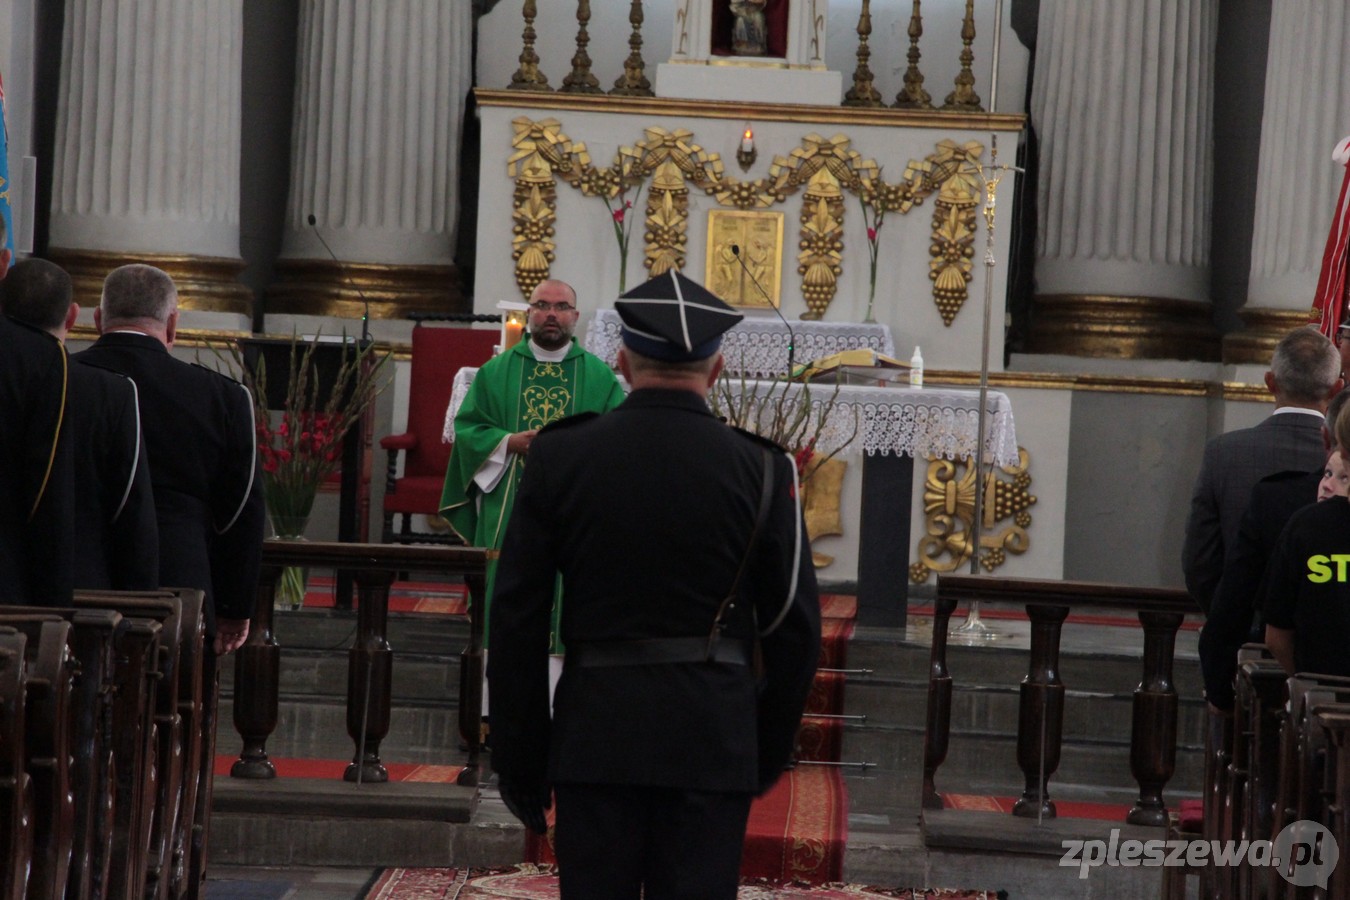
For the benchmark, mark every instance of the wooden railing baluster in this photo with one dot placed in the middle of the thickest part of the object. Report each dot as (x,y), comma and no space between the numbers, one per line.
(1153,731)
(1040,717)
(938,730)
(370,678)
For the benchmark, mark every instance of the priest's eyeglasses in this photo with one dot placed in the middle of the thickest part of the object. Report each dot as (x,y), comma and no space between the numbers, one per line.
(545,306)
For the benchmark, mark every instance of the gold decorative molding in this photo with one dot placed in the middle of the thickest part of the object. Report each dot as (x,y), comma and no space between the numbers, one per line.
(1264,328)
(528,77)
(955,171)
(322,287)
(634,82)
(964,98)
(205,283)
(863,92)
(822,168)
(1110,327)
(814,117)
(949,511)
(913,95)
(581,80)
(820,502)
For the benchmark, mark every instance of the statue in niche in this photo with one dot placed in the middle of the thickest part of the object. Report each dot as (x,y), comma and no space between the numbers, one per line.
(749,31)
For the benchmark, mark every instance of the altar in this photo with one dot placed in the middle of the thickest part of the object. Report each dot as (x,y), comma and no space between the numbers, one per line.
(888,427)
(760,346)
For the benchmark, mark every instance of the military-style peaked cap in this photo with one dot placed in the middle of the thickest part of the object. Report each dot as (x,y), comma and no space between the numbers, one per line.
(674,319)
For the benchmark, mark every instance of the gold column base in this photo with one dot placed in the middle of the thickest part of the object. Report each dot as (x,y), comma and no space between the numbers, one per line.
(205,283)
(1256,342)
(322,287)
(1106,327)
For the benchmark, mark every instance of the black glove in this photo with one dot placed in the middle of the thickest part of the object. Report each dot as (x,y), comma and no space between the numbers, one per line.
(527,803)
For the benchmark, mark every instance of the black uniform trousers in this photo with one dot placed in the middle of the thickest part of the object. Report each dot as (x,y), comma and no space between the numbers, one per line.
(683,844)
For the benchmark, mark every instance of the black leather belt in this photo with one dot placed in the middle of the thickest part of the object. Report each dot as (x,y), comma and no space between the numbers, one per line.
(657,651)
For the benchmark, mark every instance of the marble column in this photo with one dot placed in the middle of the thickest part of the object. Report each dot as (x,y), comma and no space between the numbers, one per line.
(146,163)
(1122,104)
(380,91)
(1297,182)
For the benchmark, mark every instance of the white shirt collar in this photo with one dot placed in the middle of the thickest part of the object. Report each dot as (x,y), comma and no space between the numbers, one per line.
(1298,409)
(550,355)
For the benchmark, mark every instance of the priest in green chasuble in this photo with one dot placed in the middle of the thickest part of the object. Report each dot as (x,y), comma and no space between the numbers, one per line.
(545,377)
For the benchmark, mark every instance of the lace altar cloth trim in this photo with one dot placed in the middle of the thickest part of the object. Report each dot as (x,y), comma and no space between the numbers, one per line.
(758,346)
(899,420)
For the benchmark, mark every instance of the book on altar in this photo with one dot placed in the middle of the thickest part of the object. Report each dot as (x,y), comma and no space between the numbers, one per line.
(862,365)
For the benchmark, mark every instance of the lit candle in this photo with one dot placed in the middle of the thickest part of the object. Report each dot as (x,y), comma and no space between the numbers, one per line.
(511,333)
(747,141)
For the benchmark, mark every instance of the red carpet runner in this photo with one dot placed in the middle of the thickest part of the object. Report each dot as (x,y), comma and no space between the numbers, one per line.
(798,831)
(531,883)
(1064,809)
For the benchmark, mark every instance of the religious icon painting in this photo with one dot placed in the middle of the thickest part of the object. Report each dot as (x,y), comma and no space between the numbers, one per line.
(745,257)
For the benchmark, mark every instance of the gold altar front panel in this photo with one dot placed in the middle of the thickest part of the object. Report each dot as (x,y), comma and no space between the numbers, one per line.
(758,236)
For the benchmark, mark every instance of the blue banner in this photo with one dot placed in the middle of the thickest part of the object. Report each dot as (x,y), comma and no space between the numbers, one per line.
(5,209)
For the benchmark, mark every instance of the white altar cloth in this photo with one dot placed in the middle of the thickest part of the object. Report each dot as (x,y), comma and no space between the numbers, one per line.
(758,346)
(891,420)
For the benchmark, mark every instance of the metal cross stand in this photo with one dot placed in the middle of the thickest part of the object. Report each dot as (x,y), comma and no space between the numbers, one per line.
(973,628)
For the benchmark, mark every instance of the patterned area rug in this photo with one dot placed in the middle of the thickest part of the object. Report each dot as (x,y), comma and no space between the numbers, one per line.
(529,882)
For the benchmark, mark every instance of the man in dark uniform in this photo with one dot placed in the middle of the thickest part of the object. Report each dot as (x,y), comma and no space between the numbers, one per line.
(115,534)
(37,512)
(692,621)
(199,433)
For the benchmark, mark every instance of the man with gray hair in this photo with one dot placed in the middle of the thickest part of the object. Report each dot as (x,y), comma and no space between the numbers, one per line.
(1304,375)
(199,434)
(115,533)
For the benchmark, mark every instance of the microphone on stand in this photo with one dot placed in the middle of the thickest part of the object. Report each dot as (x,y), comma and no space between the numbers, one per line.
(792,337)
(365,315)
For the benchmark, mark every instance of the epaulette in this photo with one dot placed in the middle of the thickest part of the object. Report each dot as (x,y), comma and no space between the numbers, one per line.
(569,421)
(1286,475)
(759,439)
(230,378)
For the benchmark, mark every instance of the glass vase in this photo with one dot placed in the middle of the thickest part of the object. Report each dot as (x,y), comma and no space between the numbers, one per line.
(290,594)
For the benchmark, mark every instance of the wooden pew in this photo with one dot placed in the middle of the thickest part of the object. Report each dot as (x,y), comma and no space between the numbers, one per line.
(160,785)
(48,727)
(1333,721)
(1253,769)
(91,727)
(16,790)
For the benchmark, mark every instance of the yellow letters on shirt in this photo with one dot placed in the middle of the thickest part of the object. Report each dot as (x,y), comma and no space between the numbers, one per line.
(1320,569)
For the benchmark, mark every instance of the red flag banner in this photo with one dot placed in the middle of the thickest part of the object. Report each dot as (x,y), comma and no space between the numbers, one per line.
(1329,303)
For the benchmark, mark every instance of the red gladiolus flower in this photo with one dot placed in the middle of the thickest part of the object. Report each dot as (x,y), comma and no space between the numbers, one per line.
(618,216)
(284,455)
(270,466)
(872,234)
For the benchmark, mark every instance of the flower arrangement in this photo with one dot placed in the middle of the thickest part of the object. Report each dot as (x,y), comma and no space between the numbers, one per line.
(623,227)
(874,214)
(784,413)
(299,447)
(612,185)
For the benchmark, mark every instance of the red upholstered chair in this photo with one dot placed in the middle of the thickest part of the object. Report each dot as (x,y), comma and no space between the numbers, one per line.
(438,352)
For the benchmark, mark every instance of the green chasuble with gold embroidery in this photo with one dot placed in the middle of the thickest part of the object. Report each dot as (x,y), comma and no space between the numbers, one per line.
(514,392)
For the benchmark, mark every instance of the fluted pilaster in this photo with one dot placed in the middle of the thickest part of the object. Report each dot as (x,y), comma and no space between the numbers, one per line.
(147,141)
(1297,182)
(1122,103)
(380,91)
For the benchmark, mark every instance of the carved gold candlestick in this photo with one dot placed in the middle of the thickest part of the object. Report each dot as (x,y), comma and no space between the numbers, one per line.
(633,82)
(528,77)
(964,98)
(863,92)
(581,80)
(913,96)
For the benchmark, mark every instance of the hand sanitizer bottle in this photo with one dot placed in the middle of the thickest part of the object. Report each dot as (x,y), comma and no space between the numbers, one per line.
(916,368)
